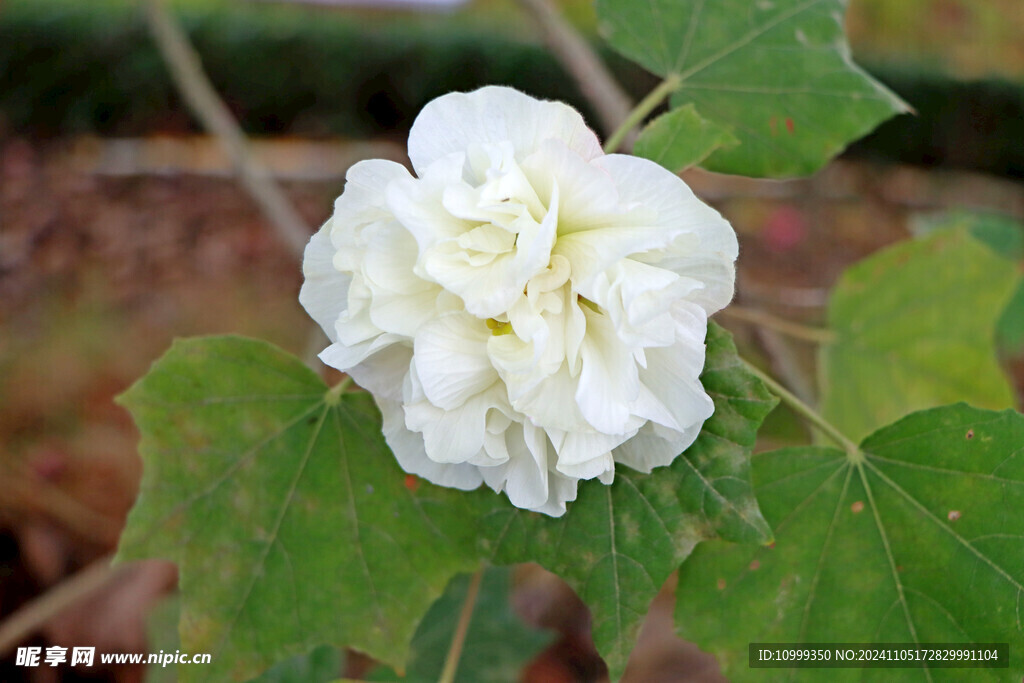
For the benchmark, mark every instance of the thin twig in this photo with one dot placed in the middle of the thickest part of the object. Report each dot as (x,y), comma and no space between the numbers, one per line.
(28,492)
(25,621)
(451,662)
(595,81)
(773,322)
(187,71)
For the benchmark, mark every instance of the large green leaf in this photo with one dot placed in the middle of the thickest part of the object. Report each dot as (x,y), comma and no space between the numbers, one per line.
(498,644)
(282,506)
(293,525)
(777,73)
(915,326)
(1006,237)
(920,541)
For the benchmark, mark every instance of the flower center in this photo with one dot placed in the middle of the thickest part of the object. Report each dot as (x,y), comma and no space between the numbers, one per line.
(498,328)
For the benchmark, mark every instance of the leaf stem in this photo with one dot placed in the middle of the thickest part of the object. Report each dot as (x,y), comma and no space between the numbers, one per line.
(853,452)
(754,316)
(451,662)
(641,111)
(334,393)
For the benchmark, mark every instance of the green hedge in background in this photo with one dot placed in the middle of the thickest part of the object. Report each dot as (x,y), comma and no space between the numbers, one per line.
(90,67)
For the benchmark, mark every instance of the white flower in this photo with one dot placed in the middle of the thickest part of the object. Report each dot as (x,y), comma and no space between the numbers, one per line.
(526,310)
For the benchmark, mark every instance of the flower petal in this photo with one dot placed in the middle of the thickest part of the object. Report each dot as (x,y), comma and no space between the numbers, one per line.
(412,457)
(588,196)
(672,376)
(455,435)
(324,292)
(608,379)
(451,359)
(365,197)
(602,467)
(654,446)
(579,448)
(344,358)
(383,373)
(709,254)
(526,482)
(495,114)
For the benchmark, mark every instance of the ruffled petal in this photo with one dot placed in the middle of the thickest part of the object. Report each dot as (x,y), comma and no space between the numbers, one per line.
(344,358)
(383,373)
(587,195)
(654,446)
(412,457)
(579,448)
(608,379)
(601,467)
(709,248)
(324,292)
(364,200)
(451,359)
(495,114)
(526,482)
(672,375)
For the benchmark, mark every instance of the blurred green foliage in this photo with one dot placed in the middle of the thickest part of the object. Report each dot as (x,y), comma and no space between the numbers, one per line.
(73,67)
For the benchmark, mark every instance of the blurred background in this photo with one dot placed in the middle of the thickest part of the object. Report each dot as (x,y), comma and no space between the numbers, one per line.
(122,227)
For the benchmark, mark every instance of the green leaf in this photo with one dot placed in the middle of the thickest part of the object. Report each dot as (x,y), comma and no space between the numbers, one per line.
(289,520)
(284,491)
(498,644)
(921,542)
(682,138)
(1010,328)
(1002,234)
(914,326)
(777,73)
(1006,238)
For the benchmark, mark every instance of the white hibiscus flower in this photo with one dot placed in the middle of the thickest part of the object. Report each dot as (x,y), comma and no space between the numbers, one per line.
(526,310)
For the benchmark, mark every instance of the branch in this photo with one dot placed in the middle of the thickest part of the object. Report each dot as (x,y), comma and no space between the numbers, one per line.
(34,614)
(29,493)
(187,71)
(789,328)
(604,93)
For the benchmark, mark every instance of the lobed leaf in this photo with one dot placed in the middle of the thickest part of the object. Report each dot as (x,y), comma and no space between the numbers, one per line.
(284,509)
(777,74)
(914,329)
(1005,236)
(921,542)
(294,527)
